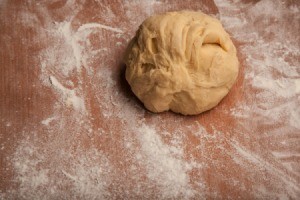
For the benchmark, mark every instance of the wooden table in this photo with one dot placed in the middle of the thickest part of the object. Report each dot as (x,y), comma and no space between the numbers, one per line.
(70,128)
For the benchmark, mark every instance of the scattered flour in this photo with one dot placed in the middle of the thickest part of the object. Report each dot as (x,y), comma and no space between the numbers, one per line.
(47,121)
(272,71)
(70,97)
(97,25)
(165,164)
(74,160)
(43,171)
(278,96)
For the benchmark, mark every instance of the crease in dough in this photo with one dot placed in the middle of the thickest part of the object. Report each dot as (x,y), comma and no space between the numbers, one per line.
(181,61)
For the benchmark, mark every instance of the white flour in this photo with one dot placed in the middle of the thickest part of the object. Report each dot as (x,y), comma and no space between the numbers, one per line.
(165,164)
(276,79)
(70,97)
(130,154)
(267,68)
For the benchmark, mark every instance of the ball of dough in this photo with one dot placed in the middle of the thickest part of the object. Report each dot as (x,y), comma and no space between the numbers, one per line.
(181,61)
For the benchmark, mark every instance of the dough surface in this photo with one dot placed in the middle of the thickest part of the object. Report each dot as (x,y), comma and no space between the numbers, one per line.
(181,61)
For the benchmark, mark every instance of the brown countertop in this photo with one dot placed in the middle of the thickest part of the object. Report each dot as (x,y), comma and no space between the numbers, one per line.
(70,128)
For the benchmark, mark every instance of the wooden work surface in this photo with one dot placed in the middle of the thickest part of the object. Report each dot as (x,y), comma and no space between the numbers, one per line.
(70,128)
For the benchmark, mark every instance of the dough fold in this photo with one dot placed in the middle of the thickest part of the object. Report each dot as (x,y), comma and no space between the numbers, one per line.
(181,61)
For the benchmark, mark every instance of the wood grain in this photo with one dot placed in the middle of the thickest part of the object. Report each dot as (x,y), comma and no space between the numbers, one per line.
(27,98)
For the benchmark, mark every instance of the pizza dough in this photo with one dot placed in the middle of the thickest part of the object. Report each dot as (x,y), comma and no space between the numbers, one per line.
(181,61)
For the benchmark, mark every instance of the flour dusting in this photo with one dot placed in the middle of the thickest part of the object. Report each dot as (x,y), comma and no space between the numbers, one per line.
(275,77)
(42,171)
(70,97)
(97,25)
(96,141)
(47,121)
(68,68)
(164,164)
